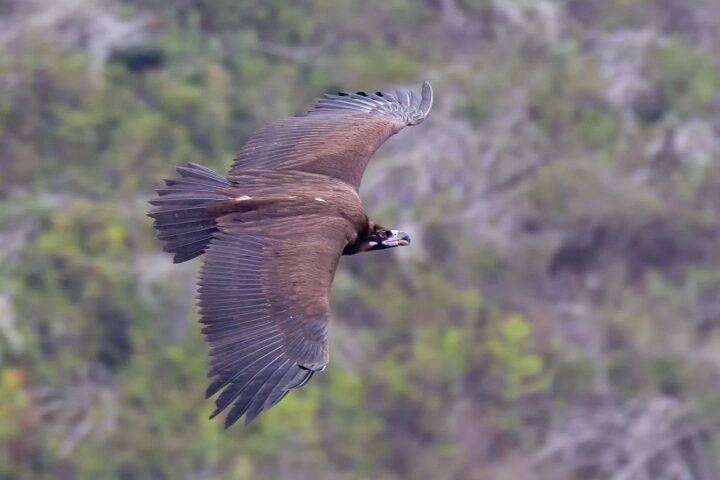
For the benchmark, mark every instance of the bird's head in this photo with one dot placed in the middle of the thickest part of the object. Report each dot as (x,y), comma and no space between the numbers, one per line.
(378,238)
(381,238)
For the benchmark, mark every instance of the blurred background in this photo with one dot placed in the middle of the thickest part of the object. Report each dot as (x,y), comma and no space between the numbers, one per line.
(558,314)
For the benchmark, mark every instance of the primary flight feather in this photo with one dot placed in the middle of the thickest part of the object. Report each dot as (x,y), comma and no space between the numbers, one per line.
(272,232)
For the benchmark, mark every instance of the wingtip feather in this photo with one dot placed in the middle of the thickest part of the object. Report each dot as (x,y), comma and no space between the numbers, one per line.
(427,98)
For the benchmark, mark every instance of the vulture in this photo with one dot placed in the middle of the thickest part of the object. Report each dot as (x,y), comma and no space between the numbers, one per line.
(272,232)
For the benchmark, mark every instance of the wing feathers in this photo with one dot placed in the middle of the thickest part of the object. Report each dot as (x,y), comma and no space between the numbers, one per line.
(427,99)
(253,386)
(250,359)
(257,402)
(336,137)
(408,107)
(262,341)
(234,386)
(403,98)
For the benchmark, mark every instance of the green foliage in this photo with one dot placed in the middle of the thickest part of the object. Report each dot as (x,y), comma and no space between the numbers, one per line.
(75,273)
(359,61)
(688,78)
(513,361)
(583,112)
(15,422)
(14,401)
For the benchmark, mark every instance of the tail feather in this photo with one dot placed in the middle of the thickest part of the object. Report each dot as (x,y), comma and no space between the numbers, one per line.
(180,199)
(182,218)
(193,170)
(169,236)
(181,226)
(188,184)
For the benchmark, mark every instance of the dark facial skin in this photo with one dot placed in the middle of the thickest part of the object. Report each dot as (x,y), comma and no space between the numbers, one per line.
(379,239)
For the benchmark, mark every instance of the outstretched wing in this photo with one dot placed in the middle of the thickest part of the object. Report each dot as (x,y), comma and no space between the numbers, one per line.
(264,300)
(336,137)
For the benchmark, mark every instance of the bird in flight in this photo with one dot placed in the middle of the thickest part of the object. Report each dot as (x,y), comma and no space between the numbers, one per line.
(272,232)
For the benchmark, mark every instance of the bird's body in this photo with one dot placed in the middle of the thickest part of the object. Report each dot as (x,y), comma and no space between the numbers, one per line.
(272,232)
(262,194)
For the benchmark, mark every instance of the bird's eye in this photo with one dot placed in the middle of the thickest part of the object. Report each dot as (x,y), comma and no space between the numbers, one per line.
(382,234)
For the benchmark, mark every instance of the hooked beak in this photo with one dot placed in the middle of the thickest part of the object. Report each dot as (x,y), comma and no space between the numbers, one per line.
(397,238)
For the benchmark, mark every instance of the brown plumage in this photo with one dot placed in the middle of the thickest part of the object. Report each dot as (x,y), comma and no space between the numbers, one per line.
(272,232)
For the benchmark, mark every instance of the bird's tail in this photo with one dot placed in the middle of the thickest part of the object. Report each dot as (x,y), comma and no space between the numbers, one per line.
(182,218)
